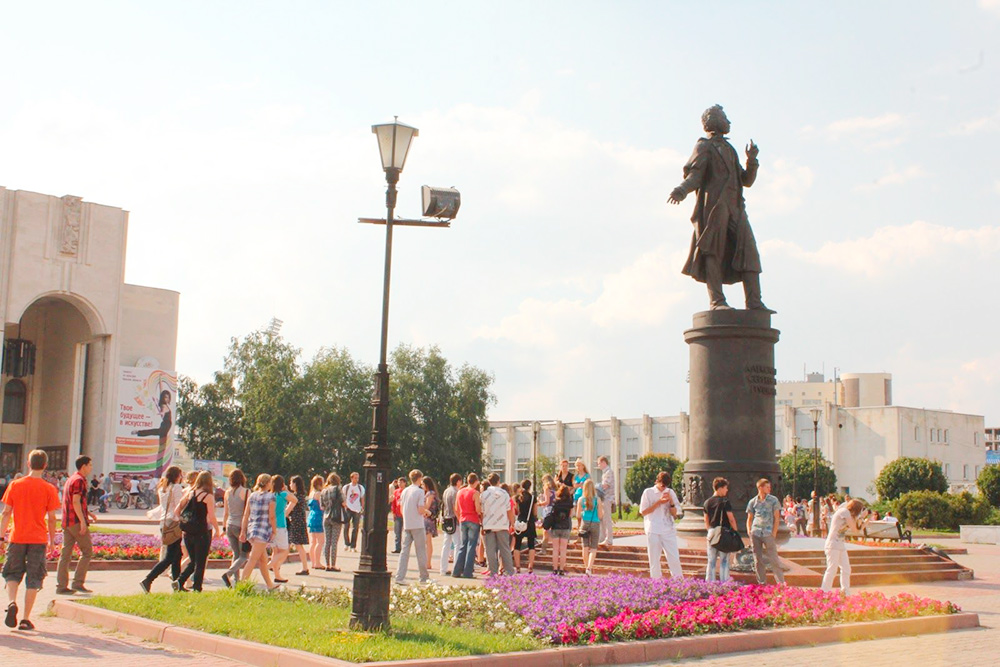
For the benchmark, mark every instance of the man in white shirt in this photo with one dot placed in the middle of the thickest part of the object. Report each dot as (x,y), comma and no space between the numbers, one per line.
(412,503)
(498,523)
(659,509)
(354,498)
(608,489)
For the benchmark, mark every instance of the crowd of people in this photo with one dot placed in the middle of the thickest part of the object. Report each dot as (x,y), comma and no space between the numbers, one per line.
(800,514)
(486,523)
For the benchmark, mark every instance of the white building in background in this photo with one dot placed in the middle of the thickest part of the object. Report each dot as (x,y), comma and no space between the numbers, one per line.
(510,445)
(71,329)
(858,430)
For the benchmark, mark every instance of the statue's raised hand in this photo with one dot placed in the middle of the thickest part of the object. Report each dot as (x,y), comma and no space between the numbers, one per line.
(752,150)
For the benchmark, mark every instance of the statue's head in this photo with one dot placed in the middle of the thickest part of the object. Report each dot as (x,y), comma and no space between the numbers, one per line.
(714,120)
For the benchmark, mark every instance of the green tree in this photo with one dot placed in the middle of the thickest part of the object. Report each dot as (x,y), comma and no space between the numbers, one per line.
(209,418)
(989,484)
(677,479)
(802,474)
(437,416)
(643,472)
(907,474)
(336,419)
(541,466)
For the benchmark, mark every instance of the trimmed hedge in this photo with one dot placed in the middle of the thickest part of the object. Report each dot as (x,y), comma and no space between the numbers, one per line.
(907,474)
(940,511)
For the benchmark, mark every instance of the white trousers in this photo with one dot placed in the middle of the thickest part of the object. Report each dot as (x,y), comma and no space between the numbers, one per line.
(449,547)
(837,558)
(663,543)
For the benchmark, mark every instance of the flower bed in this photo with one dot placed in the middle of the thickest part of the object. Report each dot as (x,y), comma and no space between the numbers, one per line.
(134,546)
(546,602)
(746,608)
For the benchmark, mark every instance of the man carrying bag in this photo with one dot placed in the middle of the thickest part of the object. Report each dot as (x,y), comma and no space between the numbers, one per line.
(723,537)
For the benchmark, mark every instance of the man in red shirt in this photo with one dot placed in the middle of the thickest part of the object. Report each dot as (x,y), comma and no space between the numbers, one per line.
(75,524)
(397,513)
(33,503)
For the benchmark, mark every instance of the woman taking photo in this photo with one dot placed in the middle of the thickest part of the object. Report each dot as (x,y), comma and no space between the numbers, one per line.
(333,504)
(170,493)
(562,526)
(298,533)
(844,520)
(589,512)
(259,526)
(198,505)
(527,513)
(234,505)
(315,521)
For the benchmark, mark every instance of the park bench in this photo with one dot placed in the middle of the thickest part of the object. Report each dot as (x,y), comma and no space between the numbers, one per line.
(887,530)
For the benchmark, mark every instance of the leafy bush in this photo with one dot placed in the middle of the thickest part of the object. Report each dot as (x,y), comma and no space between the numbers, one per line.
(924,509)
(642,474)
(941,511)
(907,474)
(989,484)
(800,475)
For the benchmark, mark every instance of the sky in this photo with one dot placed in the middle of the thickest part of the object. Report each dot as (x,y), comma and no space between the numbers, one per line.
(238,136)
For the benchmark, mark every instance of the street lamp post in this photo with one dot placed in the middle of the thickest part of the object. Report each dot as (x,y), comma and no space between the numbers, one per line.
(370,607)
(815,414)
(795,468)
(535,427)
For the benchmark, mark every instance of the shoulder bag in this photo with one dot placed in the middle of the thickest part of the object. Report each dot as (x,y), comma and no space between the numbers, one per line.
(170,530)
(522,526)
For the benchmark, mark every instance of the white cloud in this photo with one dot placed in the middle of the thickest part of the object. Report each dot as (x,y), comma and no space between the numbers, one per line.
(893,177)
(991,6)
(780,187)
(641,294)
(865,124)
(978,125)
(891,248)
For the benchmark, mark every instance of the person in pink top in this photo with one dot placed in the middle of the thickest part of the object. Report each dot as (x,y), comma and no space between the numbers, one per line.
(470,518)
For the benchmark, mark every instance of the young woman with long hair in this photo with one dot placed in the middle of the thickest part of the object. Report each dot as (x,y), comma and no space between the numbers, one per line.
(333,504)
(259,526)
(527,512)
(314,521)
(562,527)
(284,502)
(432,503)
(234,505)
(199,500)
(170,493)
(298,531)
(544,501)
(589,512)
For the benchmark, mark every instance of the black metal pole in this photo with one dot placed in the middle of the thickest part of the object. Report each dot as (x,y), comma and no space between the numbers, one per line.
(795,472)
(370,607)
(816,527)
(534,458)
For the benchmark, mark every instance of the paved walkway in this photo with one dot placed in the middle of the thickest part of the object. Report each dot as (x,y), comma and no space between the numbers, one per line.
(58,643)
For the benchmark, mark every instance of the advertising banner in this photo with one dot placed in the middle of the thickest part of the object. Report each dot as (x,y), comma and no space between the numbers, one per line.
(992,457)
(144,439)
(220,470)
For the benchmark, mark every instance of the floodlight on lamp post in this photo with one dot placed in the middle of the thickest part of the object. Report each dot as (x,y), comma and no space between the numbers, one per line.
(815,413)
(370,606)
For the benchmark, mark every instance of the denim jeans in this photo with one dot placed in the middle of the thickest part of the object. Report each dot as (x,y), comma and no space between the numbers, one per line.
(397,529)
(465,559)
(714,555)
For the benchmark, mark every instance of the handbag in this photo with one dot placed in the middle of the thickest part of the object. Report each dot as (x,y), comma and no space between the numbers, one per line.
(449,525)
(584,531)
(522,526)
(549,521)
(170,532)
(726,540)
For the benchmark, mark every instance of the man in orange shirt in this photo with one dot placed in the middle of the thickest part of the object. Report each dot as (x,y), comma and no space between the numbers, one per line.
(33,503)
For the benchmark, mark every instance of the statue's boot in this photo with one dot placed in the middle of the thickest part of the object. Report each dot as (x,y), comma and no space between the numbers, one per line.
(751,290)
(713,280)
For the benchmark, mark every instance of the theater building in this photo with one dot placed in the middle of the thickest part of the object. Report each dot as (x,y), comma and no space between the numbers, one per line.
(72,328)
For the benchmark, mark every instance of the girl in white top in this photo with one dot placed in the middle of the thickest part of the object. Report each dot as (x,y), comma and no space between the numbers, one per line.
(851,517)
(170,493)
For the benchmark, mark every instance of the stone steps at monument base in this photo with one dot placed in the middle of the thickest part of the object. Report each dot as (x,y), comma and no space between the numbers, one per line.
(869,567)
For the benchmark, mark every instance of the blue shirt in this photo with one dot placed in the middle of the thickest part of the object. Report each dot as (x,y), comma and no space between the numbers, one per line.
(763,514)
(280,502)
(579,479)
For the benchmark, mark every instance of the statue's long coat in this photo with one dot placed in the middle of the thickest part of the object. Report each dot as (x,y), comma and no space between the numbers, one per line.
(720,218)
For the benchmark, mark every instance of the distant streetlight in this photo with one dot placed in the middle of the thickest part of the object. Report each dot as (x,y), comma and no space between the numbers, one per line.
(815,414)
(795,468)
(370,607)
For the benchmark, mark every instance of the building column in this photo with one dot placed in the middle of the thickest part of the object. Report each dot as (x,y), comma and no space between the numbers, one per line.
(560,443)
(616,465)
(510,468)
(647,436)
(588,443)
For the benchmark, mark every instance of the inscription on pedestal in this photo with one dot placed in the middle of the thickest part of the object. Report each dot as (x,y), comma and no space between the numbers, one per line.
(760,379)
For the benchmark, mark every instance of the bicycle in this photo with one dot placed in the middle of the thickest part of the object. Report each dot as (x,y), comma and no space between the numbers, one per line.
(123,500)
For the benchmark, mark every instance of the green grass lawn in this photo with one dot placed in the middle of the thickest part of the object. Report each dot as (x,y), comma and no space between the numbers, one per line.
(309,626)
(98,528)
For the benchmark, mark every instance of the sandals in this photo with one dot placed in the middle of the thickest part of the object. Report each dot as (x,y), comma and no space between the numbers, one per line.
(303,573)
(11,620)
(25,624)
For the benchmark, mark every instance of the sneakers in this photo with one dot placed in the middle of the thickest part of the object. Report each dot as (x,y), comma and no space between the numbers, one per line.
(145,585)
(226,580)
